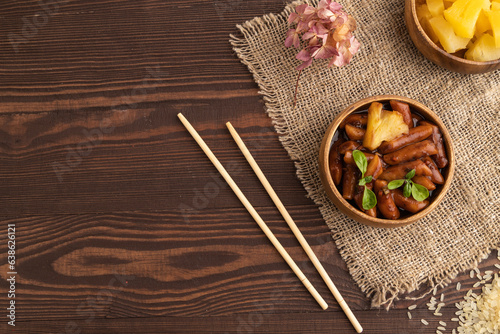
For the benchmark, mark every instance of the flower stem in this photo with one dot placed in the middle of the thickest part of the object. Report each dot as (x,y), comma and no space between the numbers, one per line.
(296,88)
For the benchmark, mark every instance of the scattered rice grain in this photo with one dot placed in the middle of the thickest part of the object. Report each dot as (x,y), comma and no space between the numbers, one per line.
(454,331)
(412,307)
(476,284)
(497,265)
(454,319)
(424,322)
(441,328)
(459,286)
(442,297)
(477,271)
(434,291)
(481,314)
(439,332)
(472,274)
(488,272)
(409,315)
(442,323)
(438,314)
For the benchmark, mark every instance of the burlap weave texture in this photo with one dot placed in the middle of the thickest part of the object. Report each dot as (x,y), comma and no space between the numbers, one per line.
(386,263)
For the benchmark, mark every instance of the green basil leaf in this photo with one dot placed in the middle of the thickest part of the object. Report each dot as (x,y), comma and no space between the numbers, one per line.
(410,174)
(419,192)
(369,199)
(360,160)
(395,184)
(407,189)
(365,180)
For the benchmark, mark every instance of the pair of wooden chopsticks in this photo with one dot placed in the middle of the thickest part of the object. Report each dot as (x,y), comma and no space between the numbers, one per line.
(266,229)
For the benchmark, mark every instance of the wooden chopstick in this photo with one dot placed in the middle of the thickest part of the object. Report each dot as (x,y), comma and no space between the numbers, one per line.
(294,228)
(254,213)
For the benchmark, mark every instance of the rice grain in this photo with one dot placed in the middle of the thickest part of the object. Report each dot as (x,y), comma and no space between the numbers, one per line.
(481,314)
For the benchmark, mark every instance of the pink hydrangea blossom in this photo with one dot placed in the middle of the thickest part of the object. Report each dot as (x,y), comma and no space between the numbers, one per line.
(292,38)
(326,32)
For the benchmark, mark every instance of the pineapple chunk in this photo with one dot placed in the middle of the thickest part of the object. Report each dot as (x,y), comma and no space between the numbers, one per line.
(463,14)
(383,125)
(423,15)
(423,12)
(436,7)
(483,23)
(447,37)
(494,18)
(447,4)
(483,49)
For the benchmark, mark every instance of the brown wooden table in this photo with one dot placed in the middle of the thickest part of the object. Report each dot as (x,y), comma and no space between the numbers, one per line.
(122,225)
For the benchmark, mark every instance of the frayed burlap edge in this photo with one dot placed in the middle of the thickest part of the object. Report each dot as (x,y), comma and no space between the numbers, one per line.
(380,295)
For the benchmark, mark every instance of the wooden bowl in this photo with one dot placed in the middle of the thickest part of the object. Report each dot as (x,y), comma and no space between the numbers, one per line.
(437,55)
(353,212)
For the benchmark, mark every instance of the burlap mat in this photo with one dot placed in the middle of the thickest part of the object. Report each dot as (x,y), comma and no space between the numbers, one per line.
(386,263)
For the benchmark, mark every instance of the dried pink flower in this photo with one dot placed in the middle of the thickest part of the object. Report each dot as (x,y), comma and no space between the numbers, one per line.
(328,32)
(317,31)
(292,38)
(306,57)
(345,52)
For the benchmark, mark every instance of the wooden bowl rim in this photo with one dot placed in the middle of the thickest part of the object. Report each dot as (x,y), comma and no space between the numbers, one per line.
(355,213)
(413,9)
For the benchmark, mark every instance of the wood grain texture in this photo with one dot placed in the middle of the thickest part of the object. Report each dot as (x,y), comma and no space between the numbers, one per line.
(173,267)
(261,320)
(88,268)
(122,223)
(71,162)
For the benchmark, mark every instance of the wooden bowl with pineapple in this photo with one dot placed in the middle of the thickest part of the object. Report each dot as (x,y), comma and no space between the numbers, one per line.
(460,35)
(386,161)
